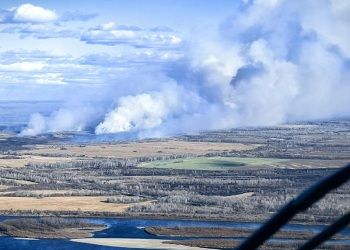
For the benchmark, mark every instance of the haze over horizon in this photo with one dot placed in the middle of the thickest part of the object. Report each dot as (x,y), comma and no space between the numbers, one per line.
(158,68)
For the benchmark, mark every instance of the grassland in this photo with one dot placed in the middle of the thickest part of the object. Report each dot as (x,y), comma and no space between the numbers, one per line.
(212,163)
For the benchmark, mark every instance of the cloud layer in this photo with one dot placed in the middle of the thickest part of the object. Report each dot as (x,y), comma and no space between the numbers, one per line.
(111,34)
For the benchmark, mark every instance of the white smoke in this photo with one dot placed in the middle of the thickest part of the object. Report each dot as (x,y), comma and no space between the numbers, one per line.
(140,112)
(36,125)
(60,120)
(274,61)
(299,66)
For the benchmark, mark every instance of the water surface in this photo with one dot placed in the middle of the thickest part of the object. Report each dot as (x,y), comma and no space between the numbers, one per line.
(134,228)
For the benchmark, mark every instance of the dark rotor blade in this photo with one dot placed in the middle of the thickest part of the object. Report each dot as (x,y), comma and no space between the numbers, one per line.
(327,233)
(298,204)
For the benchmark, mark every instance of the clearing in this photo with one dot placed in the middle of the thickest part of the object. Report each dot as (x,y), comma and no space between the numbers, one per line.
(212,163)
(71,203)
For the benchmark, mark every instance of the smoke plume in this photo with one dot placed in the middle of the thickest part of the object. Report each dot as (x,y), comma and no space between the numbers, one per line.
(273,61)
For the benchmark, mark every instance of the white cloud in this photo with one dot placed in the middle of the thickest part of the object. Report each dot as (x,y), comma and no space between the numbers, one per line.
(22,66)
(108,26)
(49,78)
(44,68)
(112,34)
(40,30)
(32,14)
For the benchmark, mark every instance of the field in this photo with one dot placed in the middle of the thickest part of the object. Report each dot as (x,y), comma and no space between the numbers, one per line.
(74,203)
(144,148)
(26,159)
(51,152)
(227,162)
(212,163)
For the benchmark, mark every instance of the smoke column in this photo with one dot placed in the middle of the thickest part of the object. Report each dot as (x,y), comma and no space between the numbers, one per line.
(274,61)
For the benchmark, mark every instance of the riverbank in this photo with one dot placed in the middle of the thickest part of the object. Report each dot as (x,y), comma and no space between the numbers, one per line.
(48,228)
(217,232)
(255,218)
(220,237)
(131,228)
(136,243)
(230,244)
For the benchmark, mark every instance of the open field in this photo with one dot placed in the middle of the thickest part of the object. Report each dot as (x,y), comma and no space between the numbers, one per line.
(76,203)
(26,159)
(212,163)
(227,162)
(139,149)
(51,153)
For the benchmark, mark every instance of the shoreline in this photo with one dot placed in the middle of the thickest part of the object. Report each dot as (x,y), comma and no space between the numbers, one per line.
(155,217)
(216,232)
(136,243)
(49,228)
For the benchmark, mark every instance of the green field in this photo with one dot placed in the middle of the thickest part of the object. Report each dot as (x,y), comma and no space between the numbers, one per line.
(211,163)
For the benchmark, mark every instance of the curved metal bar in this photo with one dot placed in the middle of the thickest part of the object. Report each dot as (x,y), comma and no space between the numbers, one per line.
(327,233)
(298,204)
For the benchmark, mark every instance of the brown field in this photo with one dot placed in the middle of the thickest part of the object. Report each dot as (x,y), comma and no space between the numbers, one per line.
(76,203)
(141,148)
(25,159)
(37,193)
(58,153)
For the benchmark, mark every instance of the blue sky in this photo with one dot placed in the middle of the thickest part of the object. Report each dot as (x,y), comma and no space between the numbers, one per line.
(186,17)
(41,54)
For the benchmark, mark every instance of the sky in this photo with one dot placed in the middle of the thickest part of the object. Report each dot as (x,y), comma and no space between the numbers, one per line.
(64,39)
(162,67)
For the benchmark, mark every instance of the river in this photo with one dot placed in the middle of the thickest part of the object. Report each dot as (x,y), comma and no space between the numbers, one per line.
(133,228)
